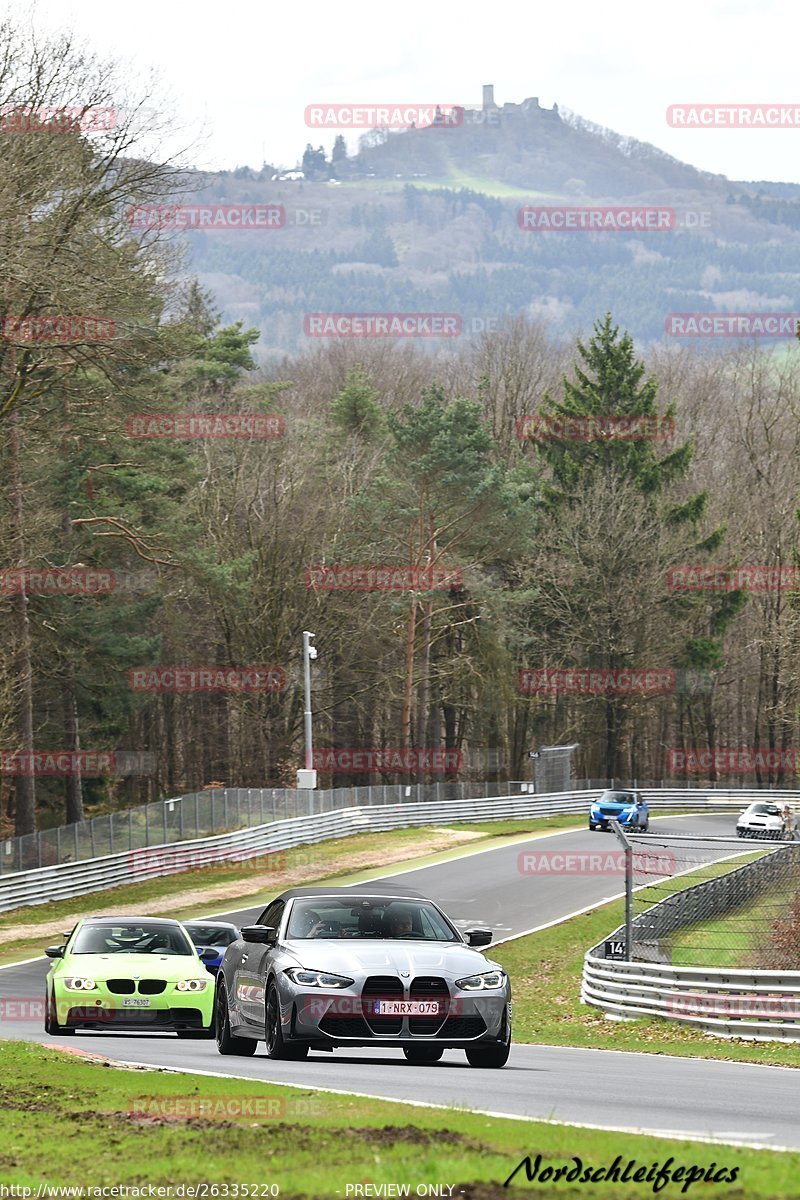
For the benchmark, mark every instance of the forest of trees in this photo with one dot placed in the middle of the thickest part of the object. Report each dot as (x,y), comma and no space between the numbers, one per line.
(387,455)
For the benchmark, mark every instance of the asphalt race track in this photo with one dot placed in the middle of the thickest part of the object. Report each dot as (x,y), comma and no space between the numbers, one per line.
(728,1102)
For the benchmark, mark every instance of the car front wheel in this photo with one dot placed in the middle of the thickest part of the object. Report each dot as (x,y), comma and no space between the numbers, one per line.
(51,1024)
(273,1032)
(226,1042)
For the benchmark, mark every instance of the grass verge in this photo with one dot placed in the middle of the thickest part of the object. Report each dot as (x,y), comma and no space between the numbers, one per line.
(545,970)
(69,1120)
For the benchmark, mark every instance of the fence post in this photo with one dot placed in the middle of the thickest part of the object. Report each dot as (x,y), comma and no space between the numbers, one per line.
(77,849)
(180,818)
(617,829)
(225,808)
(213,818)
(130,828)
(164,813)
(58,844)
(196,815)
(146,827)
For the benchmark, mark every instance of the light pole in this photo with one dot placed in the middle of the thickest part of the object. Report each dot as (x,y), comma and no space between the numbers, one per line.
(307,778)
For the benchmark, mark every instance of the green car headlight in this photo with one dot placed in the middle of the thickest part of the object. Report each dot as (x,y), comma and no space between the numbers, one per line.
(191,985)
(79,984)
(479,983)
(319,979)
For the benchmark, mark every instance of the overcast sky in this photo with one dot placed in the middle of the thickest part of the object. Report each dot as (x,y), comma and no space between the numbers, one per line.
(241,74)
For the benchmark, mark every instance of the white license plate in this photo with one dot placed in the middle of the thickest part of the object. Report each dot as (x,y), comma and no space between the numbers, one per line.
(136,1002)
(405,1008)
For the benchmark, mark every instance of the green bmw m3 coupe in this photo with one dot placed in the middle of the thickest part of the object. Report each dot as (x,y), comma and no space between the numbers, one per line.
(129,974)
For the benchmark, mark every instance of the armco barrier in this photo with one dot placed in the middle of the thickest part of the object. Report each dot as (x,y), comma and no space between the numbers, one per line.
(751,1004)
(59,882)
(757,1005)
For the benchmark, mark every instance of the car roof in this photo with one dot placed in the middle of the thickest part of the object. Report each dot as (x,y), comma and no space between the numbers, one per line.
(355,893)
(210,921)
(125,919)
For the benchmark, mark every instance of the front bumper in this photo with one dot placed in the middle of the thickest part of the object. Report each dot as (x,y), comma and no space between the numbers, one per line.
(758,831)
(347,1018)
(171,1011)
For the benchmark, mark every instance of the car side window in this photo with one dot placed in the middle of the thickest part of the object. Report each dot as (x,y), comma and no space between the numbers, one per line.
(272,914)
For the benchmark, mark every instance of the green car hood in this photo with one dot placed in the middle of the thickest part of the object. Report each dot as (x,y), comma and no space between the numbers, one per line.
(171,967)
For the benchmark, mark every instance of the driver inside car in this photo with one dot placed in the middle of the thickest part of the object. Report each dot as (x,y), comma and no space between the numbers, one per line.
(400,923)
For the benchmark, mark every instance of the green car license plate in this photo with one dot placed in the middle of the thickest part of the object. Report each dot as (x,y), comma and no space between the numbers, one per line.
(136,1002)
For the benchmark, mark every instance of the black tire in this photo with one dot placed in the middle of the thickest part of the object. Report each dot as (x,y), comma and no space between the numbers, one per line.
(421,1055)
(226,1042)
(273,1033)
(491,1055)
(51,1024)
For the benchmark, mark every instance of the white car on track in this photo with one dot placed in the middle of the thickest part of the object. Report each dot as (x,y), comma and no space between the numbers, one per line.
(760,820)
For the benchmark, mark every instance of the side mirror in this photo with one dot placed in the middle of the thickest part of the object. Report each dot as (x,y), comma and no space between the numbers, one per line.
(208,953)
(55,951)
(478,937)
(261,935)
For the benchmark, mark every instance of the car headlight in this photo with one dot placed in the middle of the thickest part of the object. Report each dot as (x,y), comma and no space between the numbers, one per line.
(479,983)
(318,978)
(79,984)
(191,985)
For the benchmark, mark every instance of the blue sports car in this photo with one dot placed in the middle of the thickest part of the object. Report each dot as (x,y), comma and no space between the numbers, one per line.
(627,807)
(216,935)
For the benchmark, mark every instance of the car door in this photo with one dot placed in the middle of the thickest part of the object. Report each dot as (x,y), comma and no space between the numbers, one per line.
(252,969)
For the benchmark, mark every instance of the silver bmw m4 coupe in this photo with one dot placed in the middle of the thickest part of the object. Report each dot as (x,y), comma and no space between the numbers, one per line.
(326,967)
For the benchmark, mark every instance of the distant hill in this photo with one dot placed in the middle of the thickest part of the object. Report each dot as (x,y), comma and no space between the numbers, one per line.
(426,220)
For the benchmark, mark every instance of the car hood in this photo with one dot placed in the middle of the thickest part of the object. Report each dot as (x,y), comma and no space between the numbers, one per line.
(123,966)
(375,958)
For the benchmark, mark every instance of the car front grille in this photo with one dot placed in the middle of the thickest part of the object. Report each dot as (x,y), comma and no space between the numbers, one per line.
(429,987)
(381,987)
(152,987)
(121,987)
(126,987)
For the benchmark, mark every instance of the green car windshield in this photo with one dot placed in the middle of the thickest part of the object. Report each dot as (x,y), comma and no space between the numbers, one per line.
(150,938)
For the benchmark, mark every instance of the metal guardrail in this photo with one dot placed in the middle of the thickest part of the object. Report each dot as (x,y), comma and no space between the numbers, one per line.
(61,881)
(756,1005)
(218,810)
(729,1002)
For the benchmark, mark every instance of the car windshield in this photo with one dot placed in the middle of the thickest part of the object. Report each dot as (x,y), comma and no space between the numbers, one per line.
(617,798)
(141,938)
(765,810)
(368,918)
(211,935)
